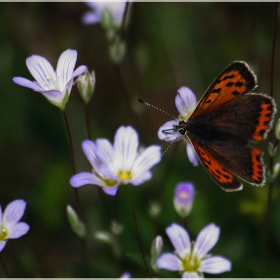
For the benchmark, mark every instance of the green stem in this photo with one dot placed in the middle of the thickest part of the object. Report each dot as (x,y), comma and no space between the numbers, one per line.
(4,266)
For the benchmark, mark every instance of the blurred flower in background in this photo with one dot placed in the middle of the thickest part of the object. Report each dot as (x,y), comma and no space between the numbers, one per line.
(183,198)
(54,85)
(10,228)
(192,259)
(126,275)
(120,163)
(156,250)
(185,102)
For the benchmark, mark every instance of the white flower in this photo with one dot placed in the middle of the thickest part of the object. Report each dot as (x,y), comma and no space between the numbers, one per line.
(192,259)
(54,85)
(10,228)
(185,102)
(116,10)
(120,163)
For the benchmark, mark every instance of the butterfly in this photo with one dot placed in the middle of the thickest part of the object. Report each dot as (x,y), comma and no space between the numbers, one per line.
(222,126)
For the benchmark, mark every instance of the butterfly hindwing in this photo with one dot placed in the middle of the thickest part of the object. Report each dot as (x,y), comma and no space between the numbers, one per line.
(236,80)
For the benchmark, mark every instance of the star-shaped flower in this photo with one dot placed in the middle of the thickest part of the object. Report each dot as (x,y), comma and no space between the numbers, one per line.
(120,163)
(10,227)
(185,102)
(192,259)
(54,85)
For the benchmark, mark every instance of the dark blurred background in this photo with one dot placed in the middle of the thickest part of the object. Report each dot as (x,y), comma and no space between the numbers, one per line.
(169,45)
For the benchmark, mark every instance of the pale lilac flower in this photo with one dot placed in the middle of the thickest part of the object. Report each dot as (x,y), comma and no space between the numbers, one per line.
(116,10)
(183,198)
(54,85)
(120,163)
(10,227)
(185,102)
(126,275)
(191,259)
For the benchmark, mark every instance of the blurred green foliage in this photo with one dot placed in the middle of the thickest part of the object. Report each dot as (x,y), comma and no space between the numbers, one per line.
(169,45)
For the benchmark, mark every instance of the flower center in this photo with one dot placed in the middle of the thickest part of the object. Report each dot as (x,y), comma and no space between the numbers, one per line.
(191,263)
(124,175)
(3,233)
(109,182)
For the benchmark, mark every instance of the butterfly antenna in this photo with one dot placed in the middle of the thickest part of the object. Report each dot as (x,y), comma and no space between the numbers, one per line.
(177,138)
(152,106)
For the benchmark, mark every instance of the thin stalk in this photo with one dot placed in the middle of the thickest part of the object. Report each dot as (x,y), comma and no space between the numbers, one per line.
(271,183)
(88,121)
(4,267)
(82,239)
(137,231)
(123,20)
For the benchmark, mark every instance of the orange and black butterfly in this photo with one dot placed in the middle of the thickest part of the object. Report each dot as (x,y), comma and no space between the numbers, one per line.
(226,119)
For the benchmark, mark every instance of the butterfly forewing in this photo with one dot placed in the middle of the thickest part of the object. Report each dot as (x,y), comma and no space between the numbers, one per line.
(236,80)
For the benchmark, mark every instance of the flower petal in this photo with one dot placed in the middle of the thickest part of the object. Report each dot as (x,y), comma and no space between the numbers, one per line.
(215,265)
(65,67)
(125,147)
(80,70)
(14,211)
(89,149)
(90,18)
(18,230)
(192,154)
(180,239)
(146,176)
(104,151)
(170,134)
(170,262)
(2,245)
(206,240)
(191,275)
(41,70)
(27,83)
(126,275)
(0,215)
(185,101)
(54,96)
(111,191)
(86,178)
(146,160)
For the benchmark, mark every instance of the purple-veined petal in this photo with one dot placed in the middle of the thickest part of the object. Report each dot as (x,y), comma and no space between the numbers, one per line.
(167,132)
(206,240)
(18,230)
(192,154)
(170,262)
(125,147)
(86,178)
(65,67)
(89,149)
(0,215)
(146,176)
(146,160)
(185,101)
(105,153)
(215,265)
(2,245)
(111,191)
(13,212)
(54,96)
(27,83)
(80,70)
(191,275)
(179,239)
(42,71)
(90,18)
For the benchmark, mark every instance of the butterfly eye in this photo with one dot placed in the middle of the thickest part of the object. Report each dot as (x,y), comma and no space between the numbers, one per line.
(182,127)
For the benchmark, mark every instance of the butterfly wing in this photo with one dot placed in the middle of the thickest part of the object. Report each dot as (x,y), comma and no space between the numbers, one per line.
(236,80)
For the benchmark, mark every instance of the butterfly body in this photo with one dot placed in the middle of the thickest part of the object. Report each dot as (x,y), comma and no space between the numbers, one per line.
(225,122)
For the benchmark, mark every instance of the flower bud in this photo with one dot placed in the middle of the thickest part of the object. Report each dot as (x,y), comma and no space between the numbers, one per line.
(107,21)
(277,130)
(103,236)
(183,198)
(86,84)
(156,250)
(116,228)
(154,209)
(276,169)
(271,149)
(76,224)
(117,51)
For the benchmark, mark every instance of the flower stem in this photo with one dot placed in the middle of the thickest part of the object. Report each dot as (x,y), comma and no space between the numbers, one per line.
(271,183)
(137,231)
(4,267)
(82,239)
(87,121)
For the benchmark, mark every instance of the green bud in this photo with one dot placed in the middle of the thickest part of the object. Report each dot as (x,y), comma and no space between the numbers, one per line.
(116,228)
(154,209)
(86,84)
(107,21)
(156,250)
(271,149)
(117,51)
(103,236)
(76,224)
(276,169)
(277,130)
